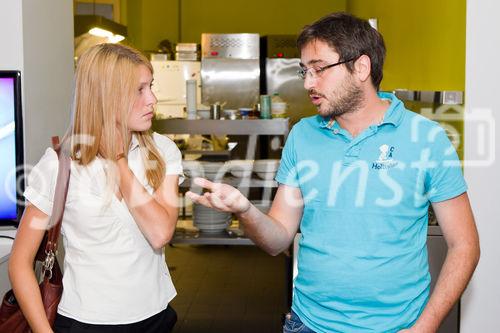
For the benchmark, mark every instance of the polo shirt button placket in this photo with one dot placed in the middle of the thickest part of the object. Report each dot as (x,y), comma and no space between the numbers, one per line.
(351,155)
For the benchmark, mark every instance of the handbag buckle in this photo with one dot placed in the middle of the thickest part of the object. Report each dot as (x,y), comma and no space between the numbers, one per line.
(48,263)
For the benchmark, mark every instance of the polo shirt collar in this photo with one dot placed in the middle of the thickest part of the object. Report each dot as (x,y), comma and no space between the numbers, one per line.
(393,115)
(326,122)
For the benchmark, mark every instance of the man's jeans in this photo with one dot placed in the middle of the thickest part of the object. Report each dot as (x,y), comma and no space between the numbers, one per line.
(293,324)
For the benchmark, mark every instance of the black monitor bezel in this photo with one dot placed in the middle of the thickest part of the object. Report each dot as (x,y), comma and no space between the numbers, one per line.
(18,121)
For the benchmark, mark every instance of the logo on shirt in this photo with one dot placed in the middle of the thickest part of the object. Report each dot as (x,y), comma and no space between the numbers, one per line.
(385,159)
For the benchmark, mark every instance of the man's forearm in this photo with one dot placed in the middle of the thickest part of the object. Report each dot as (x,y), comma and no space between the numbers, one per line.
(456,272)
(264,231)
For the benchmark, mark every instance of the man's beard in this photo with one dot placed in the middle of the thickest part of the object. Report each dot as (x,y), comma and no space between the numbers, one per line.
(348,98)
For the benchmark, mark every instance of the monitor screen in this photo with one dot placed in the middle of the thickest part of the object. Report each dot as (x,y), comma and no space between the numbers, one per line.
(11,147)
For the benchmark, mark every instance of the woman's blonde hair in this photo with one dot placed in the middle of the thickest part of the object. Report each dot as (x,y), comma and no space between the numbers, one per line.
(106,83)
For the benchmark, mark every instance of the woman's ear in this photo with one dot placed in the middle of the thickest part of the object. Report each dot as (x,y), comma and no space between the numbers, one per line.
(362,67)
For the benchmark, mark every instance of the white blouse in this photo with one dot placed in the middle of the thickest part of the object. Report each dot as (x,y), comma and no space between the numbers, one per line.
(112,275)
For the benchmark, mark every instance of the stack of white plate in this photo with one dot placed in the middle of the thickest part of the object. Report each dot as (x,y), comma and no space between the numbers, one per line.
(266,169)
(209,220)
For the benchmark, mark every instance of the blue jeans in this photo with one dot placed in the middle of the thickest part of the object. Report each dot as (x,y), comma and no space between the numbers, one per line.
(293,324)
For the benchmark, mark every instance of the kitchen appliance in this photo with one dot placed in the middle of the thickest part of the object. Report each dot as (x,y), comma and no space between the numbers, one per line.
(186,51)
(11,146)
(169,85)
(230,70)
(280,63)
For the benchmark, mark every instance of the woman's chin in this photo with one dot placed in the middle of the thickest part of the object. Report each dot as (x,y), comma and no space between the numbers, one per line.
(140,127)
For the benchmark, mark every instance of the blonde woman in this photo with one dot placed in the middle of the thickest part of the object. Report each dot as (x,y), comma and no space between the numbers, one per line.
(120,211)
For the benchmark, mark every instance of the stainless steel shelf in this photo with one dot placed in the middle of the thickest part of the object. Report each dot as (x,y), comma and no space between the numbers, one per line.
(251,127)
(190,235)
(225,238)
(207,152)
(222,127)
(238,182)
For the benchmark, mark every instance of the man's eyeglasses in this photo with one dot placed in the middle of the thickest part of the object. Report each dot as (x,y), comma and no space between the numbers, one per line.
(316,72)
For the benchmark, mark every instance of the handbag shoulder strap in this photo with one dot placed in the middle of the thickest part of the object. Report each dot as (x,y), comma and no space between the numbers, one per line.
(60,195)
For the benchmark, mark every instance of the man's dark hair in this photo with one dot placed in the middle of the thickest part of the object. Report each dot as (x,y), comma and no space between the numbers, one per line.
(350,37)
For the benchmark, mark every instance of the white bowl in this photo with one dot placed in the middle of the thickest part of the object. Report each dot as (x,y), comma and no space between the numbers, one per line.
(266,175)
(204,114)
(209,170)
(213,166)
(270,165)
(231,114)
(214,170)
(240,168)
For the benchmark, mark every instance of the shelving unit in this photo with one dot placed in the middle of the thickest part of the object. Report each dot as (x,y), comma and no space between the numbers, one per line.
(250,127)
(222,127)
(239,182)
(225,153)
(186,233)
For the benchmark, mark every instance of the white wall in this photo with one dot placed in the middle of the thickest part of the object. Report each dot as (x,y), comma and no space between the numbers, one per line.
(36,37)
(11,33)
(48,71)
(481,301)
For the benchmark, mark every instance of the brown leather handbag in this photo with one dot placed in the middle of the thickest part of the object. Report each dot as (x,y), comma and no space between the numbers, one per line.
(11,316)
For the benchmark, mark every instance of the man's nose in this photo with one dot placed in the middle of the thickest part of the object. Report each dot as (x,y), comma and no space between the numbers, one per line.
(309,82)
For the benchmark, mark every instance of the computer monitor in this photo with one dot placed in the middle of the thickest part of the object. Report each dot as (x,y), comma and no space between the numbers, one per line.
(11,148)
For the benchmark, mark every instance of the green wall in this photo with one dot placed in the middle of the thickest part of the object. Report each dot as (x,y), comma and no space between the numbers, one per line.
(425,39)
(259,16)
(425,42)
(150,21)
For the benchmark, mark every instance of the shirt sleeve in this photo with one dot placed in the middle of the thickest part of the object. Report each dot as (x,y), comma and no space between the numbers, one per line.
(172,156)
(41,182)
(445,181)
(287,171)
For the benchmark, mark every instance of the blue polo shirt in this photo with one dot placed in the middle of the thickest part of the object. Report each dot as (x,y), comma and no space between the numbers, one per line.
(362,259)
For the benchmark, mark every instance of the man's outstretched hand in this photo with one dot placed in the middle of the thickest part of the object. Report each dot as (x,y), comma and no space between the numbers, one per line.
(220,196)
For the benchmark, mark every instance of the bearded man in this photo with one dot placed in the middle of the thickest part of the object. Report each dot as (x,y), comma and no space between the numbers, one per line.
(358,179)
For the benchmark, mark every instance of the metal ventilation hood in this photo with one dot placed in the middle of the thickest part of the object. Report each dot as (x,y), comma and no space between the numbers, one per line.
(85,23)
